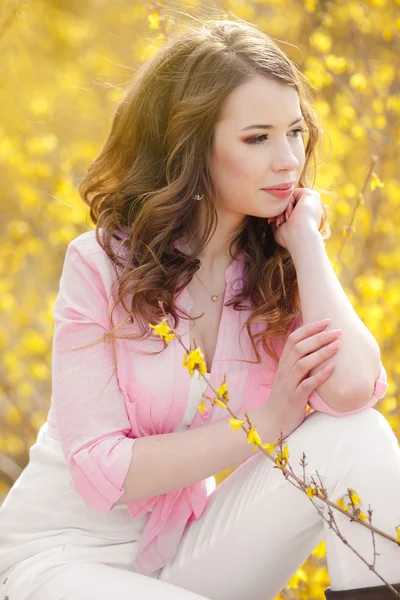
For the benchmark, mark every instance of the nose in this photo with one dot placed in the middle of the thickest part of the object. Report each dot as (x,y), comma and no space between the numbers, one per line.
(285,159)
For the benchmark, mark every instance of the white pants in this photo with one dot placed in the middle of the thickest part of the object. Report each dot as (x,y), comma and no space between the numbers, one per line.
(256,531)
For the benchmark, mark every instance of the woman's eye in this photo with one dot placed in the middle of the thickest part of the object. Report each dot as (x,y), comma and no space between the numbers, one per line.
(260,138)
(256,140)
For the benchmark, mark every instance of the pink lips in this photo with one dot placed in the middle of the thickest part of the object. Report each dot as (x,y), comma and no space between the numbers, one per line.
(279,193)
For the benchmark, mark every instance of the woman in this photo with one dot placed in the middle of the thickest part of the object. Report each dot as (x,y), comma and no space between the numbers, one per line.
(114,497)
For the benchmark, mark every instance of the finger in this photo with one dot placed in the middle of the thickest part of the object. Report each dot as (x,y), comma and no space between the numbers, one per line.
(306,364)
(318,340)
(309,384)
(302,333)
(309,347)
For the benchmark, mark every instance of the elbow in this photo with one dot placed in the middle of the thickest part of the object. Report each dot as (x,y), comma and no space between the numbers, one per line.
(92,485)
(364,391)
(359,394)
(365,395)
(341,404)
(356,400)
(98,475)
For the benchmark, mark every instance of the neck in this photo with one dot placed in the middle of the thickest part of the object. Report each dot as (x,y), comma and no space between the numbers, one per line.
(214,257)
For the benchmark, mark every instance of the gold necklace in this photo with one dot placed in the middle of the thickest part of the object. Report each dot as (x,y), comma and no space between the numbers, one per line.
(214,297)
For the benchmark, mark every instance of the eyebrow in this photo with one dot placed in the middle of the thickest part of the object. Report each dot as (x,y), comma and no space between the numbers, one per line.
(270,126)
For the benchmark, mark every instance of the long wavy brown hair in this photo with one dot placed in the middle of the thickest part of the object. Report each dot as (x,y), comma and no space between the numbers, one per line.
(157,157)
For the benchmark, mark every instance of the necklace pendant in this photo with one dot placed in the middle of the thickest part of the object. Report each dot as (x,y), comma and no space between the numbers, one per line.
(214,298)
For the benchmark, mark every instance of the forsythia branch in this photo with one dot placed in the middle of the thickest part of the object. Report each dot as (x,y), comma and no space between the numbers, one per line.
(194,361)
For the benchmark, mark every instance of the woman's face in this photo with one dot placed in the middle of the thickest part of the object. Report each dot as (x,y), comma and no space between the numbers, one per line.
(247,157)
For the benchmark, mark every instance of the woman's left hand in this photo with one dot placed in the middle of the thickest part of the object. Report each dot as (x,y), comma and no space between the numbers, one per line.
(304,208)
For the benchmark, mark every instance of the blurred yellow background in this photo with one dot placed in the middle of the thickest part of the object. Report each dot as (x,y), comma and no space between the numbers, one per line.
(64,65)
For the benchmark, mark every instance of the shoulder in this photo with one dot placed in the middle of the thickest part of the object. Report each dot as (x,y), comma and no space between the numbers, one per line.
(84,255)
(87,246)
(86,243)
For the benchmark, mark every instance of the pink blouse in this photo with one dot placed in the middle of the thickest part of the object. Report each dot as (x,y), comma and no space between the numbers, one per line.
(98,415)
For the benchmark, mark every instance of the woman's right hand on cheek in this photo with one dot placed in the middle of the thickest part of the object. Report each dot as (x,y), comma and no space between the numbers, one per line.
(306,348)
(281,218)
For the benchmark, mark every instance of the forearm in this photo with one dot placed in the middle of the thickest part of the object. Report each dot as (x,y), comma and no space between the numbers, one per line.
(357,361)
(171,461)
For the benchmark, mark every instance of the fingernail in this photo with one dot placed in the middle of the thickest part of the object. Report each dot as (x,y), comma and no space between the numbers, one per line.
(322,322)
(334,333)
(334,345)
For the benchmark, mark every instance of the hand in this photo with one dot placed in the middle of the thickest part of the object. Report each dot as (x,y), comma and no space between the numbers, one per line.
(304,208)
(306,348)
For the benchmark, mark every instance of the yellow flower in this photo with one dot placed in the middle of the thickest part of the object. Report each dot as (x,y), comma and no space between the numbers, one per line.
(222,388)
(340,503)
(362,516)
(398,533)
(376,182)
(253,437)
(235,423)
(194,361)
(154,20)
(201,406)
(269,447)
(311,491)
(281,461)
(163,330)
(321,41)
(222,391)
(358,81)
(286,451)
(282,458)
(13,415)
(219,402)
(354,498)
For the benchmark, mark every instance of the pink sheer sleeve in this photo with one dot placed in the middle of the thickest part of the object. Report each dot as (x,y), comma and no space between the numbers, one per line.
(89,408)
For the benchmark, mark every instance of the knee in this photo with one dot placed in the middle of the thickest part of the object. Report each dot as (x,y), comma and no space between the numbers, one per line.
(368,424)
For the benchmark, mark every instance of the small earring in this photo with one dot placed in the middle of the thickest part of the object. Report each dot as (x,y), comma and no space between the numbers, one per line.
(198,197)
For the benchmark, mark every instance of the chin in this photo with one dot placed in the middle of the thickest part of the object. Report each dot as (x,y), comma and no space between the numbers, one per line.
(271,212)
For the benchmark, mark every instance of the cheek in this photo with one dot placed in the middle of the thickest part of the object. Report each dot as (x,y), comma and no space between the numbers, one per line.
(237,167)
(225,171)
